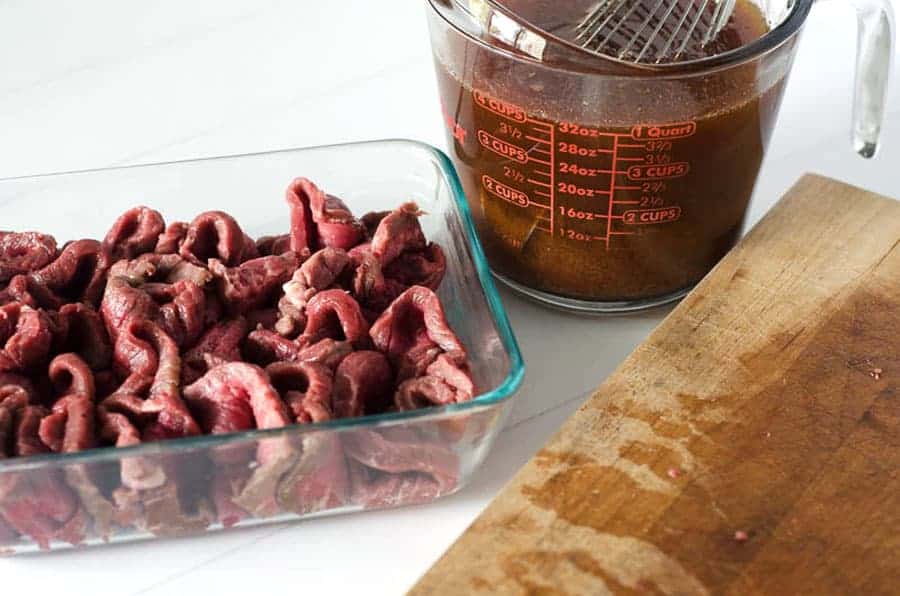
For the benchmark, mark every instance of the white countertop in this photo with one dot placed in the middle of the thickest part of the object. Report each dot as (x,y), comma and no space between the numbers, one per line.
(97,83)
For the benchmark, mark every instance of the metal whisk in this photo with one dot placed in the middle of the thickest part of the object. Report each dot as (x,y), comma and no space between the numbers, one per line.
(653,30)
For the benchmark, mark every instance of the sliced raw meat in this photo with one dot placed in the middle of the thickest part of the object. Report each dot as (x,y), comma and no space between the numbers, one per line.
(373,489)
(78,274)
(179,307)
(18,291)
(413,332)
(238,396)
(335,314)
(134,233)
(398,232)
(26,336)
(362,384)
(371,220)
(233,397)
(254,284)
(264,347)
(37,503)
(70,425)
(305,387)
(399,451)
(143,350)
(422,268)
(319,220)
(169,242)
(320,272)
(273,245)
(319,479)
(83,332)
(221,343)
(214,235)
(24,252)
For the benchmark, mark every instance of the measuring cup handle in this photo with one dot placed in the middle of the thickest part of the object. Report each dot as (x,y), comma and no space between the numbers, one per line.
(875,49)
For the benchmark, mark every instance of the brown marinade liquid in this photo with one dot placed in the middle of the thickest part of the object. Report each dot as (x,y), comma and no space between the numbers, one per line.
(599,189)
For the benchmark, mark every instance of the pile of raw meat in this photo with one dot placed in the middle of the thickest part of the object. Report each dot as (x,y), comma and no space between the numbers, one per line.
(160,332)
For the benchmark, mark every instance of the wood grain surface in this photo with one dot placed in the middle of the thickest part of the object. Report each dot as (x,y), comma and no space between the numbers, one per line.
(750,446)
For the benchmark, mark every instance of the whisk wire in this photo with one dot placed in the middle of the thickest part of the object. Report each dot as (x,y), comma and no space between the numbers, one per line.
(633,29)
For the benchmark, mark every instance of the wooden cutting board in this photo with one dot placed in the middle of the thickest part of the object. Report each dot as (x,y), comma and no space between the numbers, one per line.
(750,446)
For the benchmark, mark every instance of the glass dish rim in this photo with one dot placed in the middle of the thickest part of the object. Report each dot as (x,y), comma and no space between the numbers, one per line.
(482,401)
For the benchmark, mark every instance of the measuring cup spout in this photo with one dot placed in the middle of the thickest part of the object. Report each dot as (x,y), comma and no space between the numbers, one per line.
(873,66)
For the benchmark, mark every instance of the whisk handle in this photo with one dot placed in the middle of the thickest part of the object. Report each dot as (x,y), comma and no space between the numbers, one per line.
(875,49)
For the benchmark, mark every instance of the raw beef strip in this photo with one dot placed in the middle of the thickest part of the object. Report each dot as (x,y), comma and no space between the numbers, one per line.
(82,332)
(320,272)
(305,387)
(328,352)
(253,284)
(24,252)
(397,233)
(362,385)
(236,396)
(169,242)
(37,503)
(78,274)
(335,314)
(397,458)
(148,498)
(413,332)
(143,350)
(220,344)
(319,478)
(134,233)
(371,220)
(264,318)
(233,397)
(25,337)
(18,291)
(422,268)
(179,307)
(370,287)
(319,220)
(373,489)
(273,245)
(182,311)
(216,235)
(264,347)
(70,427)
(396,258)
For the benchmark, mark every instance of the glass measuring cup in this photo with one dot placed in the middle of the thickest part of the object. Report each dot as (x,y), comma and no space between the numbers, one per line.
(600,185)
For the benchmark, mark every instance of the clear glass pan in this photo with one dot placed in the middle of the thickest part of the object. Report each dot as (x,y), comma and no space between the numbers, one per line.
(92,497)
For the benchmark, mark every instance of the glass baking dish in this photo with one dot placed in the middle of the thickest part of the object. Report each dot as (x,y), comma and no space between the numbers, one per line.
(92,497)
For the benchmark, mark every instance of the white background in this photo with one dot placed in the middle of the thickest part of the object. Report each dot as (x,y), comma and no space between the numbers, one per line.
(98,83)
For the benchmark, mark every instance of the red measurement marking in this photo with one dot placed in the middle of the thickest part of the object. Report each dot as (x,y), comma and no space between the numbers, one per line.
(536,139)
(676,130)
(551,133)
(539,183)
(502,108)
(458,132)
(612,192)
(639,217)
(543,194)
(501,147)
(672,170)
(498,189)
